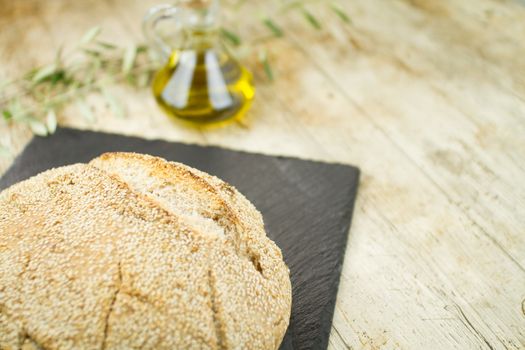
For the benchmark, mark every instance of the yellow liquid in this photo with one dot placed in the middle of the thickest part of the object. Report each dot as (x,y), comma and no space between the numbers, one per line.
(203,87)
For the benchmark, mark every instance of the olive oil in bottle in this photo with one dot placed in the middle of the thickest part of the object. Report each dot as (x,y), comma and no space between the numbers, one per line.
(203,86)
(200,83)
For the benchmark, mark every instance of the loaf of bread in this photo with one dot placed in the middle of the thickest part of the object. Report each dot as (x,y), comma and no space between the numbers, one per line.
(134,252)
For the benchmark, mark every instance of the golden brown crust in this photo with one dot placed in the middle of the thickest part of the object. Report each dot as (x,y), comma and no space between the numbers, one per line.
(95,261)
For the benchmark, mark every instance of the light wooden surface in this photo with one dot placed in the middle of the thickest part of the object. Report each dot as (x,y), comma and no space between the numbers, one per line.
(426,97)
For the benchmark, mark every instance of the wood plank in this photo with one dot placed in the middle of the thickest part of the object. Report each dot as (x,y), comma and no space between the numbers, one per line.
(472,151)
(420,270)
(440,251)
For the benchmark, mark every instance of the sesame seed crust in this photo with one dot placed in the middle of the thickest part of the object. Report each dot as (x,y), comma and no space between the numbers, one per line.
(92,258)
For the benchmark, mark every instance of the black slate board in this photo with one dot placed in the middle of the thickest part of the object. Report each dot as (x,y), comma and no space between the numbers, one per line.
(307,208)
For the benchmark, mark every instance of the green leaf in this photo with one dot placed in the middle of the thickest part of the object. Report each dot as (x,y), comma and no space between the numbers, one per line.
(231,37)
(58,55)
(341,14)
(276,30)
(311,19)
(44,73)
(268,69)
(17,111)
(57,76)
(129,59)
(37,127)
(86,111)
(91,52)
(51,121)
(90,35)
(7,114)
(263,58)
(142,48)
(106,45)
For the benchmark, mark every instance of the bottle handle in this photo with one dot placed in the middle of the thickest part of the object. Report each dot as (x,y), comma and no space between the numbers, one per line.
(149,25)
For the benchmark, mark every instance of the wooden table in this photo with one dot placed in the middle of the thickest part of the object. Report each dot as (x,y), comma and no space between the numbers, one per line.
(426,97)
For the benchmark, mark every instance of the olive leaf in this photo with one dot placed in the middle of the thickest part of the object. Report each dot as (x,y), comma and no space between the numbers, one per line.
(142,48)
(106,45)
(263,58)
(92,64)
(340,13)
(90,35)
(6,113)
(129,59)
(311,19)
(44,72)
(51,121)
(231,37)
(37,127)
(274,28)
(16,111)
(92,52)
(58,55)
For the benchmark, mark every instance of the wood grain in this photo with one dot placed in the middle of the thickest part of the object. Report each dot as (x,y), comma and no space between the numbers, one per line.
(426,97)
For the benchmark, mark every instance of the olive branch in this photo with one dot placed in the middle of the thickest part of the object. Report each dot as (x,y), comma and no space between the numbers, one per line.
(93,65)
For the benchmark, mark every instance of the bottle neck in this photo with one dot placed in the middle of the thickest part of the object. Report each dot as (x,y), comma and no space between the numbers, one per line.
(201,25)
(200,39)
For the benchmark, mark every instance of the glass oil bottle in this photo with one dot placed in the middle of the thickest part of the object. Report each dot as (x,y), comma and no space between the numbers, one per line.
(200,83)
